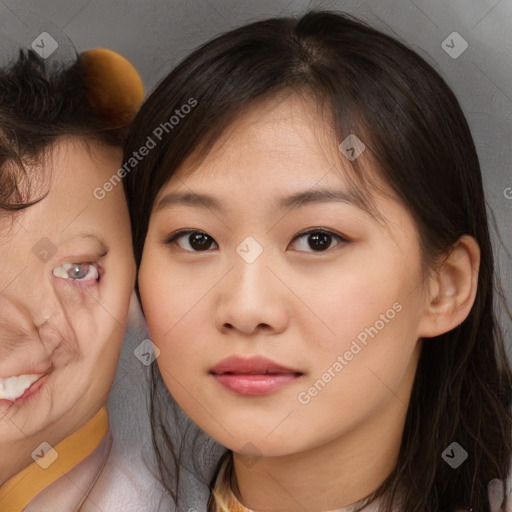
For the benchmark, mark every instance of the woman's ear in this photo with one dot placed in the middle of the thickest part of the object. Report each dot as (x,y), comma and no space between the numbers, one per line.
(451,289)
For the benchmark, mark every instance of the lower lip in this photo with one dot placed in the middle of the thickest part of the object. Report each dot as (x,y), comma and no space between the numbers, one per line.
(255,384)
(29,393)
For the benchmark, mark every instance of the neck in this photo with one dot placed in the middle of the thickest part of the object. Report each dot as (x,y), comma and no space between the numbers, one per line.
(331,476)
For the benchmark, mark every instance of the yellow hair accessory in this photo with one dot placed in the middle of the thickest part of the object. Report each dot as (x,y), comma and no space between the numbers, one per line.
(115,87)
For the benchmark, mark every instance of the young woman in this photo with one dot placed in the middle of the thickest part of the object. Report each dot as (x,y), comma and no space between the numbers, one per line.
(316,270)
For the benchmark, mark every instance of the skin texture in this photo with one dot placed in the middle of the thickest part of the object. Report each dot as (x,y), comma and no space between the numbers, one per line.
(79,344)
(300,308)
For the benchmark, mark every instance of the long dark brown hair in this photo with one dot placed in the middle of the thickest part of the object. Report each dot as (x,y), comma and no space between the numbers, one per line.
(412,123)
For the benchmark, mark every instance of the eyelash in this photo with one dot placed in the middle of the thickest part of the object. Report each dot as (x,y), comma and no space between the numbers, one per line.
(340,238)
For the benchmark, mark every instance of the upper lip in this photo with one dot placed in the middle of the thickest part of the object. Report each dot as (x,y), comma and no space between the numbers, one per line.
(252,365)
(33,371)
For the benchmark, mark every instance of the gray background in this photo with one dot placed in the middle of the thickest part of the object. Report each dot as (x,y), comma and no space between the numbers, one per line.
(156,34)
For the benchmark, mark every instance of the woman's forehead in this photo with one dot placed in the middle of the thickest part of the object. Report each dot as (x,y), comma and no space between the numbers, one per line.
(279,148)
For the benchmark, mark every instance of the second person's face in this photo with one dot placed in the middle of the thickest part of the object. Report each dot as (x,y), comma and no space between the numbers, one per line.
(66,280)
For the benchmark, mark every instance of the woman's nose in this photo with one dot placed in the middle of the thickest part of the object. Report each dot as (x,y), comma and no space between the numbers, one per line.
(251,300)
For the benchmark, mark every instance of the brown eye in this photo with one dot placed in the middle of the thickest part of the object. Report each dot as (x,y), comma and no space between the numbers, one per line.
(317,241)
(200,241)
(193,241)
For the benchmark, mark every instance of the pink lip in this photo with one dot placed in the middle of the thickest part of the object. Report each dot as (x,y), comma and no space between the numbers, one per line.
(254,376)
(29,393)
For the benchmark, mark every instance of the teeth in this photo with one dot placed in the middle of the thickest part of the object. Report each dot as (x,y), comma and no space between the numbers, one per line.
(14,387)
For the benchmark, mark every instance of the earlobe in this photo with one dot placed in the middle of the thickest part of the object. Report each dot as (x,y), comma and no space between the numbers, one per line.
(451,289)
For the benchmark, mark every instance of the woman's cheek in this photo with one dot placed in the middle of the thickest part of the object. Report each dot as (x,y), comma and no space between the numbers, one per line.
(167,302)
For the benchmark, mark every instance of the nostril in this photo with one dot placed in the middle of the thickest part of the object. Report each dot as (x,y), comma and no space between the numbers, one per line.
(248,329)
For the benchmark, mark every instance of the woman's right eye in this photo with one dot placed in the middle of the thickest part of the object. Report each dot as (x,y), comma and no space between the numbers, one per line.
(192,241)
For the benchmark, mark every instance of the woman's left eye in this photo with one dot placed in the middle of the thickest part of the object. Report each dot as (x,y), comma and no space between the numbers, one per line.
(87,272)
(317,241)
(193,241)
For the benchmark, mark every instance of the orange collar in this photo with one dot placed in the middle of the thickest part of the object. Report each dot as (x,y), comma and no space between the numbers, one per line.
(23,487)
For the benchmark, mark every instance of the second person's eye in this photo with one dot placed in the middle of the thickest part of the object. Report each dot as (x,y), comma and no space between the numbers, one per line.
(193,241)
(317,241)
(84,272)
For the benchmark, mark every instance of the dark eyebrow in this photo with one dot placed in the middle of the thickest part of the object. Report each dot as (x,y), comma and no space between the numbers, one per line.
(296,200)
(188,199)
(322,195)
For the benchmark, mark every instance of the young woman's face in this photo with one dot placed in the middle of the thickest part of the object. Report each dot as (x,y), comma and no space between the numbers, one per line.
(66,278)
(287,316)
